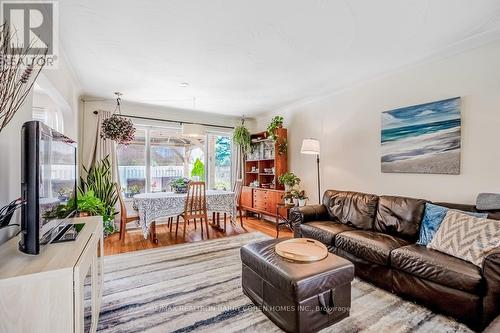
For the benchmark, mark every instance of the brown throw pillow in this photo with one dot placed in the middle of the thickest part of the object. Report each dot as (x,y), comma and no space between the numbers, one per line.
(466,237)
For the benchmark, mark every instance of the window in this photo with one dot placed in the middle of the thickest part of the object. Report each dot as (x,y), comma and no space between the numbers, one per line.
(132,165)
(160,154)
(173,156)
(47,111)
(219,167)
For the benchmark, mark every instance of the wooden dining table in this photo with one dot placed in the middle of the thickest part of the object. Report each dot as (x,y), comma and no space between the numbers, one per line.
(152,206)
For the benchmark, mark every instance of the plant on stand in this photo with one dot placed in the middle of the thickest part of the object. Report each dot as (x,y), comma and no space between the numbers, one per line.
(299,197)
(289,180)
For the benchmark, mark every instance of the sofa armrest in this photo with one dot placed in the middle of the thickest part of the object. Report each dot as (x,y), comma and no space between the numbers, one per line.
(299,215)
(491,275)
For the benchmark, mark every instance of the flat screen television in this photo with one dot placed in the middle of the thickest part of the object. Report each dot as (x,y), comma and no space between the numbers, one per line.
(48,185)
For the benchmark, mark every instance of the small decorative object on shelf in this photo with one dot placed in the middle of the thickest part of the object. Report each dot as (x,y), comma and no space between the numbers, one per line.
(241,137)
(116,127)
(289,180)
(180,185)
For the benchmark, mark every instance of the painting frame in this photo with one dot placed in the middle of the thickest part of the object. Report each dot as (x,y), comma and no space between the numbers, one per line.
(423,139)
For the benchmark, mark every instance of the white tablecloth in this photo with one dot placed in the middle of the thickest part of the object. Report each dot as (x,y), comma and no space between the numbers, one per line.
(152,206)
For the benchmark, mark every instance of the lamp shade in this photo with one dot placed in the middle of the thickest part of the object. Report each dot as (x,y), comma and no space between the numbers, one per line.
(310,146)
(193,130)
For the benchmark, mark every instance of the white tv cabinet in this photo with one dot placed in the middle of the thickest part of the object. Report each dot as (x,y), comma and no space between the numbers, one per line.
(58,290)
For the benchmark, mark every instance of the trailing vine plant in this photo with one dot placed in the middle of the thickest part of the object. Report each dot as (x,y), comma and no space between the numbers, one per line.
(241,137)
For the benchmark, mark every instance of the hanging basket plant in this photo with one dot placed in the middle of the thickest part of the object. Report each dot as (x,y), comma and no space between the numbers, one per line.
(241,137)
(118,128)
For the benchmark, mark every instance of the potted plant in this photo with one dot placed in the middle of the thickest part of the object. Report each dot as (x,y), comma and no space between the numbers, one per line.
(133,190)
(241,137)
(299,197)
(289,180)
(288,198)
(180,185)
(99,182)
(276,122)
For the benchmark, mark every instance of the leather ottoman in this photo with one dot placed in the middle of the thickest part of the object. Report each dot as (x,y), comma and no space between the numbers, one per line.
(296,296)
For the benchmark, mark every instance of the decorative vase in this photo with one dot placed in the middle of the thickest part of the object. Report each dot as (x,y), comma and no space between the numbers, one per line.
(296,202)
(302,202)
(287,188)
(288,201)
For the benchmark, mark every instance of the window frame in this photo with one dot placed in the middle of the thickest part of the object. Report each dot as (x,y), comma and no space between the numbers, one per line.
(148,127)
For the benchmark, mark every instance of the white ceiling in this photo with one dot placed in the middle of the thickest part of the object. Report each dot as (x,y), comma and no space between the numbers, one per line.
(251,56)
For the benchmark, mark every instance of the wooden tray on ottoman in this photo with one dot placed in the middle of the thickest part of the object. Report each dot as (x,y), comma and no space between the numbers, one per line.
(301,249)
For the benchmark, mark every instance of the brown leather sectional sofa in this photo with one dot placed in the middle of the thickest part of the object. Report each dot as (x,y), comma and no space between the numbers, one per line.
(378,235)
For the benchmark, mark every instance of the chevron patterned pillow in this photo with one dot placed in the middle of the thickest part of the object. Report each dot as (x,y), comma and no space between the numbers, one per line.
(466,237)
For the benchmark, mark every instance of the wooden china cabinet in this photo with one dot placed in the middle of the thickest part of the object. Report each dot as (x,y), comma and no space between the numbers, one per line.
(266,161)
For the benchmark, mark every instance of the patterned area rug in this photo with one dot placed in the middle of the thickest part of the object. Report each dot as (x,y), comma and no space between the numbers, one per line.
(196,287)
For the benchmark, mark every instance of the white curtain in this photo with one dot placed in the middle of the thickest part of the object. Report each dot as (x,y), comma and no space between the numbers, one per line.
(100,148)
(238,165)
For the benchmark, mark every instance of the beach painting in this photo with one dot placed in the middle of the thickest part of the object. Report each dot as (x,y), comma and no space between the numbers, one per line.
(423,138)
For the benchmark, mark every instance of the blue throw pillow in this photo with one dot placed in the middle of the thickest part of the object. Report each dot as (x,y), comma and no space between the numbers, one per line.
(433,216)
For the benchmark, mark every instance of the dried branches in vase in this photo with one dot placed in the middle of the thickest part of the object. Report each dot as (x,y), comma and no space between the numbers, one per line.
(19,69)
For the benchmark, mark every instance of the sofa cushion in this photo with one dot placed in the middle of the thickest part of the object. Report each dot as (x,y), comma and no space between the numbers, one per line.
(372,246)
(437,267)
(433,217)
(466,237)
(351,208)
(323,231)
(399,216)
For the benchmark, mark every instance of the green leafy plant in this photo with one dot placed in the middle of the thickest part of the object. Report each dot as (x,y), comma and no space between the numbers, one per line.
(99,182)
(180,185)
(88,204)
(241,137)
(134,189)
(289,179)
(276,122)
(296,194)
(198,169)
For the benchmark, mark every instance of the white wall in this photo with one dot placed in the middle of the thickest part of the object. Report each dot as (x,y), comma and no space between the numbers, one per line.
(348,125)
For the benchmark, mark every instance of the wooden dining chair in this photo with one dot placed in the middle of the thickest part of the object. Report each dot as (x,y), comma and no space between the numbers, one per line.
(124,215)
(195,208)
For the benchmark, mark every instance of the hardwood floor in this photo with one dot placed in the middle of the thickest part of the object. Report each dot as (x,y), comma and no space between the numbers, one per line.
(134,240)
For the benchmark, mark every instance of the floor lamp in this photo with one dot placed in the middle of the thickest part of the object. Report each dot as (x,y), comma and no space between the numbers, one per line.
(311,147)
